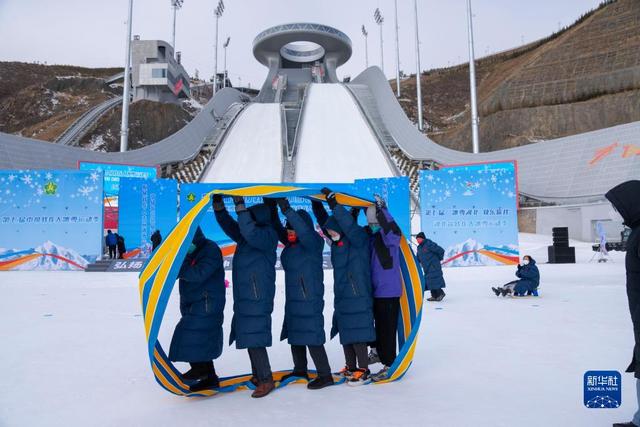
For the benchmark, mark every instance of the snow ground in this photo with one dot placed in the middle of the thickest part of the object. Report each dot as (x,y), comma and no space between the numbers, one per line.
(73,353)
(335,141)
(252,151)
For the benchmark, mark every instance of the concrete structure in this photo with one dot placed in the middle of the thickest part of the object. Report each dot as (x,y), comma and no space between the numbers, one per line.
(156,75)
(573,170)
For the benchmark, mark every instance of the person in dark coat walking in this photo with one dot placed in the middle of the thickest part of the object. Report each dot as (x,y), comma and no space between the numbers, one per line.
(353,296)
(121,247)
(302,261)
(156,239)
(386,279)
(198,336)
(527,283)
(625,198)
(111,241)
(254,284)
(430,254)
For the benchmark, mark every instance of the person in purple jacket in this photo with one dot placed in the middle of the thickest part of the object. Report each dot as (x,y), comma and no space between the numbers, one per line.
(386,280)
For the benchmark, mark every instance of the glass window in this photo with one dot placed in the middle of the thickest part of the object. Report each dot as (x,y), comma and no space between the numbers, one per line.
(158,73)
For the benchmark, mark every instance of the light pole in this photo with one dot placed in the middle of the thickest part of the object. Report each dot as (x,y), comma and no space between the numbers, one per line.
(366,47)
(218,13)
(472,83)
(176,4)
(225,45)
(124,125)
(418,80)
(395,3)
(377,15)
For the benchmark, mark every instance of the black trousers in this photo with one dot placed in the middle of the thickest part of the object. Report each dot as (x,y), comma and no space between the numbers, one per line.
(203,367)
(260,367)
(385,313)
(112,251)
(436,293)
(356,353)
(318,355)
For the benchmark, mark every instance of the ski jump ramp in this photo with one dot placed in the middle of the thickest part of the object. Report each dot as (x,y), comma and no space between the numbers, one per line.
(322,130)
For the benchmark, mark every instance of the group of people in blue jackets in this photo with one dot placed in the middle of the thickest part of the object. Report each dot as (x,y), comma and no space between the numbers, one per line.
(367,289)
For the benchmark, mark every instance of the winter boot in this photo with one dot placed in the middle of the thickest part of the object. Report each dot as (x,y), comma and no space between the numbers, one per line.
(211,381)
(360,377)
(263,389)
(506,291)
(431,299)
(383,374)
(373,356)
(294,374)
(320,382)
(497,291)
(440,297)
(345,372)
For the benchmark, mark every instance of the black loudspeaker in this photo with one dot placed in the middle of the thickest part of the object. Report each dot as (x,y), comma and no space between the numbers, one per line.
(561,252)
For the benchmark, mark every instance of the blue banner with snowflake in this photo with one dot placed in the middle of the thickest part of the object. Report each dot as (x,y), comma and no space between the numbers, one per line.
(49,219)
(146,205)
(395,191)
(471,211)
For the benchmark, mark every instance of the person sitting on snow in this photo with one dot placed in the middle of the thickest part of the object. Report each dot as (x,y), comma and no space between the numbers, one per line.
(529,279)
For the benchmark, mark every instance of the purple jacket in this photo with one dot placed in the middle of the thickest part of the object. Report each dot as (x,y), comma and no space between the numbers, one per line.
(387,282)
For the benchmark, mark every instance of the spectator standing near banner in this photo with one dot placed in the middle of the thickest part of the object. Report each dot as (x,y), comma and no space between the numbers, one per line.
(384,246)
(156,239)
(254,284)
(303,324)
(430,255)
(111,241)
(624,198)
(353,296)
(198,336)
(121,247)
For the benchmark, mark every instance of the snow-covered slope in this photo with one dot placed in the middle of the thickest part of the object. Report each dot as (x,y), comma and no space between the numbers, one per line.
(252,151)
(335,142)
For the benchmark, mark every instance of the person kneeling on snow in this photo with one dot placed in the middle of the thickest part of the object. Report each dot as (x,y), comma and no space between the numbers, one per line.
(254,284)
(303,324)
(386,279)
(430,254)
(353,299)
(529,279)
(198,336)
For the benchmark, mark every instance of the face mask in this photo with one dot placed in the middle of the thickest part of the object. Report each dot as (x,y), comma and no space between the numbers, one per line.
(191,249)
(335,237)
(525,261)
(420,240)
(374,228)
(291,236)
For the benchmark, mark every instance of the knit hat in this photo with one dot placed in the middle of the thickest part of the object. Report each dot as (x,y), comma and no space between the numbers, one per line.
(420,235)
(371,215)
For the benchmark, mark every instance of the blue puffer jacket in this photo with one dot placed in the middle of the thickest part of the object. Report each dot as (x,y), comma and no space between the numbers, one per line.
(430,255)
(529,277)
(353,293)
(304,287)
(254,275)
(198,335)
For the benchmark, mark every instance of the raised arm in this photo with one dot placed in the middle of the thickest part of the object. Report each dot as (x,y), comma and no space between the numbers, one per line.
(391,233)
(225,220)
(319,212)
(275,219)
(356,234)
(307,235)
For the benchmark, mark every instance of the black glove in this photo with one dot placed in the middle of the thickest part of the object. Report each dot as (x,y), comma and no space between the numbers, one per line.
(331,197)
(217,202)
(355,211)
(380,203)
(269,201)
(239,202)
(284,204)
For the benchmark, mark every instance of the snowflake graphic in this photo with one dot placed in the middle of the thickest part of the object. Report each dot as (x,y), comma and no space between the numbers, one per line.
(494,179)
(48,176)
(85,191)
(11,178)
(95,176)
(26,179)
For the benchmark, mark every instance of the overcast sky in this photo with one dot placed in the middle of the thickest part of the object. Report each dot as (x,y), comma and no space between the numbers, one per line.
(92,32)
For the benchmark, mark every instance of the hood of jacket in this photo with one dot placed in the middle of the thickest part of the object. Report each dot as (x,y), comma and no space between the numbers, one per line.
(199,238)
(332,223)
(626,199)
(261,214)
